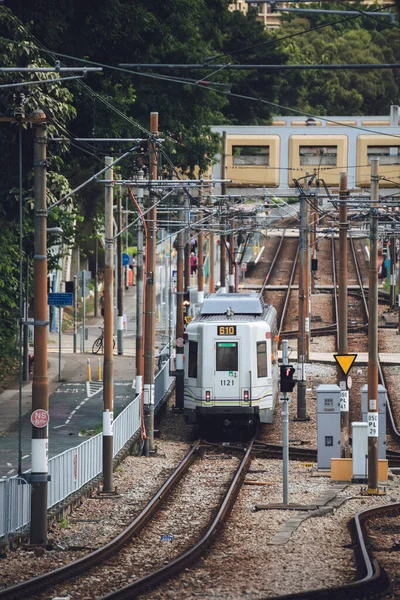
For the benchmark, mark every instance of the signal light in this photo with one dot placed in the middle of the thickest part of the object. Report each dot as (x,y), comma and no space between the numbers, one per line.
(287,382)
(208,396)
(246,396)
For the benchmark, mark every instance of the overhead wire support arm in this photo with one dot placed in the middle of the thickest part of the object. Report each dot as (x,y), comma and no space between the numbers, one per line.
(51,70)
(40,81)
(265,67)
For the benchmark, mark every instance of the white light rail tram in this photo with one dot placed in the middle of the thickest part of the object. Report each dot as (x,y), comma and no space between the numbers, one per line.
(231,362)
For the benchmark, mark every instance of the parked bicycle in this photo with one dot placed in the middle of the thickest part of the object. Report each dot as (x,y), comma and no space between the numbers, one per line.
(99,343)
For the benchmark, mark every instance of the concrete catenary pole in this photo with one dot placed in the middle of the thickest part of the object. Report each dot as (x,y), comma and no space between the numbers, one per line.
(373,409)
(342,316)
(108,366)
(40,383)
(139,294)
(179,382)
(120,288)
(301,342)
(150,293)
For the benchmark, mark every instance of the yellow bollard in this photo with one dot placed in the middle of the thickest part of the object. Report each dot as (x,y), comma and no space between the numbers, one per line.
(99,370)
(89,377)
(159,315)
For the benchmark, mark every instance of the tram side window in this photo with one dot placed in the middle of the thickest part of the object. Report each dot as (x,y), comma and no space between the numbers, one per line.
(318,155)
(250,156)
(227,356)
(192,367)
(262,359)
(388,155)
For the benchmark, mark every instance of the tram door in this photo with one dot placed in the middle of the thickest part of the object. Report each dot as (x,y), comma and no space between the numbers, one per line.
(227,380)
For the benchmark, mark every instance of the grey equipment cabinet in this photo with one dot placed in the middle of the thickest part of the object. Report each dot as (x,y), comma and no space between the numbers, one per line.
(328,424)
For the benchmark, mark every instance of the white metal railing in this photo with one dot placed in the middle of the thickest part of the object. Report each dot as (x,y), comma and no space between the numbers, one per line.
(76,467)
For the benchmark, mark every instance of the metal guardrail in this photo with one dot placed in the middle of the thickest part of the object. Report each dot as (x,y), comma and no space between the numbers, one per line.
(78,466)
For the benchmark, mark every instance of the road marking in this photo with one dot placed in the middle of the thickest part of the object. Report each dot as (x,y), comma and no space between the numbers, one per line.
(58,426)
(26,456)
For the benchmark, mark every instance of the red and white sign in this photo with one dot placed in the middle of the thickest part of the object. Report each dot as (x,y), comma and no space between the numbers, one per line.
(180,342)
(39,418)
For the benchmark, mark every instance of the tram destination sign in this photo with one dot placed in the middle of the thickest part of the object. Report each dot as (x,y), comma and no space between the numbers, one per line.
(226,330)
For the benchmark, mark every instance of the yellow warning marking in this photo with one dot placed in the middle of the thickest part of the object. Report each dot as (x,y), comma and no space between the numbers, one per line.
(345,361)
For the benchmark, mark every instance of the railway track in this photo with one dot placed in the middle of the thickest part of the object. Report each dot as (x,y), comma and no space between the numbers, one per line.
(288,274)
(34,588)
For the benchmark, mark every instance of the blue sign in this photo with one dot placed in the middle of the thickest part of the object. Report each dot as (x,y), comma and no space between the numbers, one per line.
(125,259)
(65,299)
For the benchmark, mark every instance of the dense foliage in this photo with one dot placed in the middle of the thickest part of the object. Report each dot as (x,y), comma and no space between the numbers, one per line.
(117,103)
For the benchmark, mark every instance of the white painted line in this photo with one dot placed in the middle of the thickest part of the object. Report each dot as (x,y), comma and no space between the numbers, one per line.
(58,426)
(26,456)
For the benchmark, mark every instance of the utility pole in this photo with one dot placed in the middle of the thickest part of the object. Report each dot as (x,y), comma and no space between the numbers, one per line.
(150,294)
(373,409)
(120,291)
(139,293)
(200,256)
(200,268)
(231,263)
(179,382)
(211,278)
(186,237)
(342,316)
(40,385)
(393,268)
(96,278)
(301,342)
(222,239)
(108,368)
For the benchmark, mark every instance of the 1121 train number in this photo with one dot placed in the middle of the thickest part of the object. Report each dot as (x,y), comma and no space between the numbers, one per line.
(228,382)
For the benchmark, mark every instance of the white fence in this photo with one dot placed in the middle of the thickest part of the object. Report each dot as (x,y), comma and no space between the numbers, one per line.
(76,467)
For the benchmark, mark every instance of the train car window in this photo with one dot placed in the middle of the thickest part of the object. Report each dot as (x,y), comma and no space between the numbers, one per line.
(318,155)
(252,156)
(262,359)
(227,356)
(192,367)
(388,155)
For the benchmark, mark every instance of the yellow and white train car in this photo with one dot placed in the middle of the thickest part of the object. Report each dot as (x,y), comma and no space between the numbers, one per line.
(271,157)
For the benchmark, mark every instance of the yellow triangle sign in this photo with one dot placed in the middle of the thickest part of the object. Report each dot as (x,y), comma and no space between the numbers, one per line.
(345,361)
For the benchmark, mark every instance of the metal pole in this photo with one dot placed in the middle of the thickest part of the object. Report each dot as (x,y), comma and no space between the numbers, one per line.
(108,368)
(179,379)
(307,286)
(301,343)
(25,369)
(211,280)
(127,241)
(139,293)
(150,295)
(200,268)
(342,316)
(59,341)
(373,409)
(222,239)
(393,268)
(167,272)
(120,291)
(285,430)
(96,279)
(231,263)
(40,384)
(83,312)
(75,309)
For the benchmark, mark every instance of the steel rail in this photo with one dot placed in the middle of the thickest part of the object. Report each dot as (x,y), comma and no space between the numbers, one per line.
(187,557)
(392,421)
(287,296)
(37,584)
(271,268)
(374,579)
